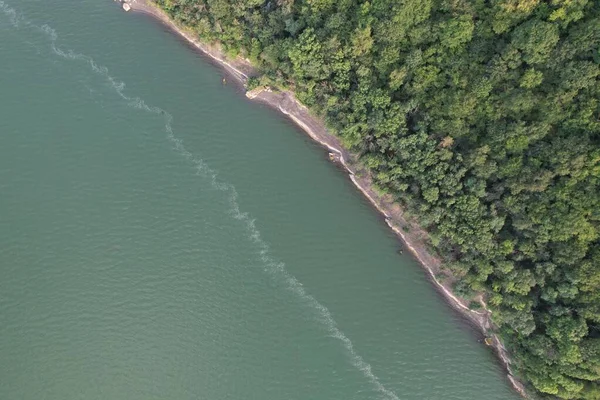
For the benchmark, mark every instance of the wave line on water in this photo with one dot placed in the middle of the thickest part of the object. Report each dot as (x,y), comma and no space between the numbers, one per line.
(272,266)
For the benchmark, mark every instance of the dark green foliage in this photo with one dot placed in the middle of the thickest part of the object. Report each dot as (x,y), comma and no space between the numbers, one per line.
(482,118)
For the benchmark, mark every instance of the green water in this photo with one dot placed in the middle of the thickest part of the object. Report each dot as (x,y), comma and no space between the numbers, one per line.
(164,238)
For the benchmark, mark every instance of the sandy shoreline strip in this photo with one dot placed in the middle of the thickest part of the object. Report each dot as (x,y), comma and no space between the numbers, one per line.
(410,234)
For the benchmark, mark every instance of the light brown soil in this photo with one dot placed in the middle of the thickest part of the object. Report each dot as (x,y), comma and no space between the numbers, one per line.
(413,237)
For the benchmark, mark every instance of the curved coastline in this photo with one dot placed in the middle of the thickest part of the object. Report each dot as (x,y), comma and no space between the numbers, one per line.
(411,235)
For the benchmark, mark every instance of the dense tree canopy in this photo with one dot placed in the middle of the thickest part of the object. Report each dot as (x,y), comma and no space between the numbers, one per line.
(482,117)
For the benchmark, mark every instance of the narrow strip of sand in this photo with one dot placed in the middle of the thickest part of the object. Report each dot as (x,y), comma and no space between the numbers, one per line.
(413,237)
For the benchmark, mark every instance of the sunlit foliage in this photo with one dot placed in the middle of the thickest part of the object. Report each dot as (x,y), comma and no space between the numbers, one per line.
(483,119)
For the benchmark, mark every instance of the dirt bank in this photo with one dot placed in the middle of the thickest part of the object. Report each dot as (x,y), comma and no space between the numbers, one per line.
(413,237)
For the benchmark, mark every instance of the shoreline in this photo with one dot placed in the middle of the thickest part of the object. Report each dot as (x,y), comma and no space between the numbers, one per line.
(414,238)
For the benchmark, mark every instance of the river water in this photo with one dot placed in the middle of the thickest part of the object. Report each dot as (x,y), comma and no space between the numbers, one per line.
(161,237)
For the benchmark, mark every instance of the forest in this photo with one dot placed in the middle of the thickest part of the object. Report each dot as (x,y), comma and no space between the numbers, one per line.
(480,117)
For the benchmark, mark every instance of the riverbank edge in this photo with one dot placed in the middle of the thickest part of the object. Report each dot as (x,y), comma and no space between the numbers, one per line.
(412,236)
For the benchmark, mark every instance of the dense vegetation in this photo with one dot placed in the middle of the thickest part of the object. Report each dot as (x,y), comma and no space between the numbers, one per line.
(483,118)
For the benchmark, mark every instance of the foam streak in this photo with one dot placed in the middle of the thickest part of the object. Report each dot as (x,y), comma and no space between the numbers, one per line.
(272,266)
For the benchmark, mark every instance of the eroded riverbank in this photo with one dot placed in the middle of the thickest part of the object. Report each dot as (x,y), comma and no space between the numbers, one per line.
(407,230)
